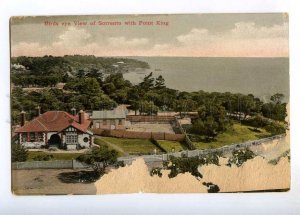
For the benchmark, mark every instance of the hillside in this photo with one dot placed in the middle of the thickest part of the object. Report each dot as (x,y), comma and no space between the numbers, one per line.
(50,70)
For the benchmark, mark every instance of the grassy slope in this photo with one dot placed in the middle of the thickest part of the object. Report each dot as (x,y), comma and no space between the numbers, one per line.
(169,145)
(57,156)
(133,146)
(100,142)
(239,133)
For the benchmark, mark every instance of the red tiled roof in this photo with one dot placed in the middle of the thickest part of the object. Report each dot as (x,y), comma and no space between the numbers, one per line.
(54,121)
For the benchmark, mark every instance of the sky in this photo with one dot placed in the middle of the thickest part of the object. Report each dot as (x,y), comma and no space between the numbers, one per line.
(192,35)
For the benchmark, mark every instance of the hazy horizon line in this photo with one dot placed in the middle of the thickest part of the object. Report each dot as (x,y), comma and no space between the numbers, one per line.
(122,56)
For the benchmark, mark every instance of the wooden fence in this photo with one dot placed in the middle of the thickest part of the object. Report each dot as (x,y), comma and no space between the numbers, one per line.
(55,164)
(187,140)
(157,119)
(199,153)
(73,164)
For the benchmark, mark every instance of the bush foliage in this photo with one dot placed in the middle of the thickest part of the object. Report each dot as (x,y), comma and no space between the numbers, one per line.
(18,153)
(100,158)
(188,164)
(43,157)
(240,156)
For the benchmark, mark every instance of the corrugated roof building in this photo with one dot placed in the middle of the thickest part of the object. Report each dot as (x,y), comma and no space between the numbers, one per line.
(109,119)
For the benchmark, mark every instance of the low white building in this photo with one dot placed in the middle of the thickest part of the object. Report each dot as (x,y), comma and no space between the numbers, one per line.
(110,119)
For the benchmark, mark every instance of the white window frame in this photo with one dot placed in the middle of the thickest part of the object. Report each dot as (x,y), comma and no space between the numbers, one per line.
(71,136)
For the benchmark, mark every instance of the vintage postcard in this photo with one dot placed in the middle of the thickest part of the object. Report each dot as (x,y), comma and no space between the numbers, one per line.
(178,103)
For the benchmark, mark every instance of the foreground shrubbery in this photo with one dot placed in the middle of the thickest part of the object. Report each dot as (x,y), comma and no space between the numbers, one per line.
(18,153)
(212,188)
(43,157)
(240,156)
(285,154)
(156,171)
(212,158)
(100,158)
(275,128)
(270,126)
(182,165)
(186,164)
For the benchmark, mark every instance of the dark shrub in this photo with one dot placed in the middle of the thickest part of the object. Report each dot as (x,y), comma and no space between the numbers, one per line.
(240,156)
(43,157)
(18,153)
(182,165)
(156,171)
(99,158)
(212,158)
(212,188)
(275,128)
(119,164)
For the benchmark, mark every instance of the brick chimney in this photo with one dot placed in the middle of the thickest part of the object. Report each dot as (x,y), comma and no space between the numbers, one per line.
(81,117)
(38,110)
(22,118)
(73,111)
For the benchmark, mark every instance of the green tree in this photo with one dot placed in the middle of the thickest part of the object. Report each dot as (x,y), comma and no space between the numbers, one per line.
(106,102)
(212,120)
(18,153)
(275,128)
(86,86)
(184,105)
(247,104)
(134,99)
(147,107)
(80,73)
(147,83)
(257,122)
(207,127)
(277,98)
(275,109)
(48,101)
(99,158)
(95,73)
(160,82)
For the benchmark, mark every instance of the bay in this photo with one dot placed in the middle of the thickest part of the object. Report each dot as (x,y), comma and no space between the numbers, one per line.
(261,77)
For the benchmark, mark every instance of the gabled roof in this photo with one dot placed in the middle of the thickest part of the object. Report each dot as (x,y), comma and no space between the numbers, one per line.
(54,121)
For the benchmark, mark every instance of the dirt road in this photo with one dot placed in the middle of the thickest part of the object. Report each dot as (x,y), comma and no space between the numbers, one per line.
(51,182)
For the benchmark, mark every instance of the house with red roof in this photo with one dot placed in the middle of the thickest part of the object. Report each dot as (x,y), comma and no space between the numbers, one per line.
(56,129)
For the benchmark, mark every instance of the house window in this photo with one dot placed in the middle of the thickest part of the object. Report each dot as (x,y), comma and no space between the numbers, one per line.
(71,138)
(97,125)
(113,122)
(32,137)
(120,122)
(104,122)
(40,137)
(24,137)
(86,139)
(71,129)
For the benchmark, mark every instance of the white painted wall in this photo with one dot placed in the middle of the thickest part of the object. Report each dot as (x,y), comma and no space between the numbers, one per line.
(49,134)
(71,147)
(81,142)
(33,145)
